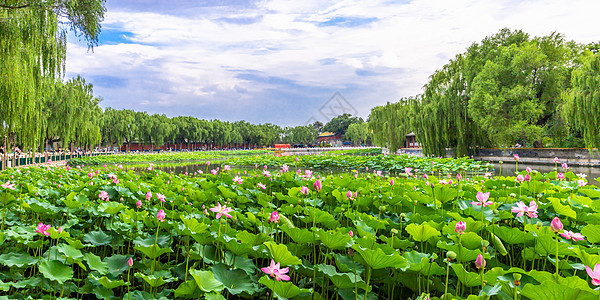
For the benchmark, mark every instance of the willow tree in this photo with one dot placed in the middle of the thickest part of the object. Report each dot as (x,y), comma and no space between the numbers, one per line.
(392,122)
(32,50)
(582,101)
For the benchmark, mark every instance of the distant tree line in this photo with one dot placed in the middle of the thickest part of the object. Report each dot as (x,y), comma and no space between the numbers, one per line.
(506,90)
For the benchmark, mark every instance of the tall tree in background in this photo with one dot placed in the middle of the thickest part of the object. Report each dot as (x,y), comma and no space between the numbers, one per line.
(339,124)
(358,133)
(32,53)
(582,106)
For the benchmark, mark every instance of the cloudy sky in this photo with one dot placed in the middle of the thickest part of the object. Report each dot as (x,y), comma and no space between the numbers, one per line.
(291,62)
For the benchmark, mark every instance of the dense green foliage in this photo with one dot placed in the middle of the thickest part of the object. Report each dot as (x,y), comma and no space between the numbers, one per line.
(582,106)
(33,97)
(502,91)
(87,233)
(355,161)
(358,133)
(340,124)
(155,157)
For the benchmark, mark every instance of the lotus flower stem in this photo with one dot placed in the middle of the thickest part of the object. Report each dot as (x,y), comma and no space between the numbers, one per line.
(557,257)
(446,285)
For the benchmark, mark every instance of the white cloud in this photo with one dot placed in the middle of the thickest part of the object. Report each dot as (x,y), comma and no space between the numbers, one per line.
(181,60)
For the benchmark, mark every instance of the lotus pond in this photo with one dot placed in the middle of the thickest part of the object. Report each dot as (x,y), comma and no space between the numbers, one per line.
(110,232)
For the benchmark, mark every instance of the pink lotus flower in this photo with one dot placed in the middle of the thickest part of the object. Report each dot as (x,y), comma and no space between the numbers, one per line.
(267,174)
(285,168)
(560,176)
(296,159)
(148,195)
(304,190)
(595,275)
(214,172)
(520,178)
(274,270)
(516,157)
(265,167)
(43,229)
(480,261)
(161,197)
(298,172)
(60,229)
(237,180)
(262,186)
(274,217)
(103,196)
(308,173)
(161,215)
(460,227)
(68,168)
(90,175)
(527,177)
(227,168)
(482,198)
(556,225)
(130,262)
(208,163)
(350,233)
(425,176)
(378,173)
(556,159)
(392,181)
(138,204)
(9,186)
(458,176)
(570,235)
(407,170)
(581,183)
(255,166)
(221,210)
(522,209)
(317,185)
(528,169)
(565,166)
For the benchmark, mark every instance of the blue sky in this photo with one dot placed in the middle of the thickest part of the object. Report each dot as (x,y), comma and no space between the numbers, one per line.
(282,61)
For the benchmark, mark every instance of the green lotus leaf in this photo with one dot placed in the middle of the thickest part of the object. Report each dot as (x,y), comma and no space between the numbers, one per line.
(97,238)
(551,290)
(241,249)
(117,264)
(187,288)
(153,251)
(153,280)
(111,208)
(284,289)
(13,259)
(546,245)
(235,281)
(422,232)
(335,240)
(469,279)
(27,283)
(109,284)
(342,280)
(95,263)
(56,271)
(591,233)
(471,240)
(206,281)
(251,238)
(282,255)
(377,259)
(562,209)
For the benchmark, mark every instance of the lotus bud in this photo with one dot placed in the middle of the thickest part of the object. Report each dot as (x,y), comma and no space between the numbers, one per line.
(451,254)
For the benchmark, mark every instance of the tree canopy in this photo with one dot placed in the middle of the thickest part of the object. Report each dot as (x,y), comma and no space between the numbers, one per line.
(503,90)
